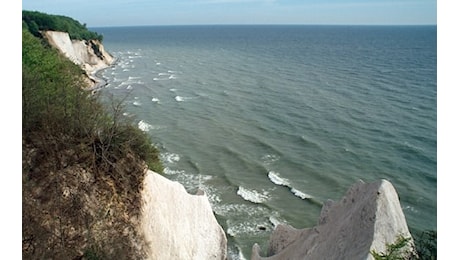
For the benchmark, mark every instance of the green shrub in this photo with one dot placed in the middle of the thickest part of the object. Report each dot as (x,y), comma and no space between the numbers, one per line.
(399,250)
(426,244)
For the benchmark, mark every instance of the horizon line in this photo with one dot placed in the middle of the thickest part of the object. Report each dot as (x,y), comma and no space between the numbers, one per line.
(264,24)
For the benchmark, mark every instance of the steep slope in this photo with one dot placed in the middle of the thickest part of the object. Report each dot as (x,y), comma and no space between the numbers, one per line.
(90,55)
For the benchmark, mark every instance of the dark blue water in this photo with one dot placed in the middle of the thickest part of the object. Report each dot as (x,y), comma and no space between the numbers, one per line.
(273,120)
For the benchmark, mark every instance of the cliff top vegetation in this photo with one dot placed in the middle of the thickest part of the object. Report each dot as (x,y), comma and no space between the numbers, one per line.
(36,21)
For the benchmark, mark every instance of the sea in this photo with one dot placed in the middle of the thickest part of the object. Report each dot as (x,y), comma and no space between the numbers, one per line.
(273,120)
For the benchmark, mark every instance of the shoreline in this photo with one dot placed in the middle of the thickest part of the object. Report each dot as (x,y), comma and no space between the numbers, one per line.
(98,79)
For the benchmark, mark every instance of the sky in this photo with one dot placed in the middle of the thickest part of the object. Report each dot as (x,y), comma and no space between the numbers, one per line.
(101,13)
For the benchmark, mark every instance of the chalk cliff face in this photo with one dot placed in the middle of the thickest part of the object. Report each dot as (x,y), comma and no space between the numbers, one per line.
(90,55)
(178,225)
(366,219)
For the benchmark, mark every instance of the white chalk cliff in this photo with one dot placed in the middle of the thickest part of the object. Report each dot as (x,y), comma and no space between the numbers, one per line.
(178,225)
(368,218)
(89,55)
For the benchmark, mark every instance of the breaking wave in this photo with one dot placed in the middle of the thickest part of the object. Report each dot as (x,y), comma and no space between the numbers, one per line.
(144,126)
(252,195)
(300,194)
(277,179)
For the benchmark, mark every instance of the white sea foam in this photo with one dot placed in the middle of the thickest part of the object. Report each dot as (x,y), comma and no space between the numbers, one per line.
(170,157)
(232,210)
(239,229)
(173,77)
(269,159)
(276,179)
(300,194)
(156,100)
(163,74)
(137,103)
(249,227)
(144,126)
(410,208)
(172,89)
(169,171)
(192,182)
(274,221)
(179,98)
(231,231)
(211,192)
(129,87)
(252,195)
(158,63)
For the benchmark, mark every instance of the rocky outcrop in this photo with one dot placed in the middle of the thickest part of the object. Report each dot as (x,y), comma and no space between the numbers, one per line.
(178,225)
(367,218)
(89,55)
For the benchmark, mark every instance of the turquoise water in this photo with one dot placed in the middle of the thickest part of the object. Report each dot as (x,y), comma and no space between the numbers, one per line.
(273,120)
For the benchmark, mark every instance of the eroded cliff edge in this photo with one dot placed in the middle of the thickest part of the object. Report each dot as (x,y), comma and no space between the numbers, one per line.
(366,219)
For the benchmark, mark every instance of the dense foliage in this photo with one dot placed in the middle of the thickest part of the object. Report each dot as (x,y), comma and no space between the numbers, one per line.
(426,243)
(36,21)
(83,163)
